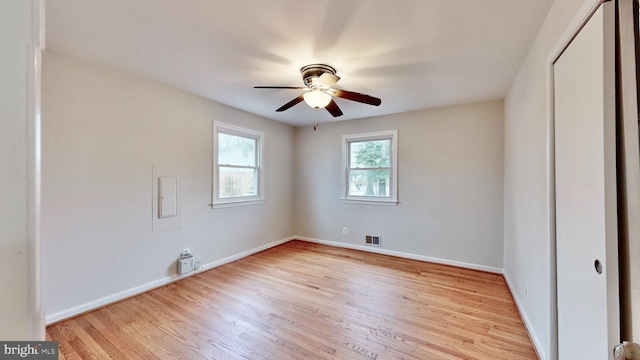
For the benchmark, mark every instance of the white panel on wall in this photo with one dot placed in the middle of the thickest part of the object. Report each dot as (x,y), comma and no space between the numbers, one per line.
(166,212)
(168,197)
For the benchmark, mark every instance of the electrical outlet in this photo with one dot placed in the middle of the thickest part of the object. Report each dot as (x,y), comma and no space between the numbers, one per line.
(186,251)
(345,231)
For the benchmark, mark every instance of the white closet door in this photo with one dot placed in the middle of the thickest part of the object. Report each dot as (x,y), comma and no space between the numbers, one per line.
(586,214)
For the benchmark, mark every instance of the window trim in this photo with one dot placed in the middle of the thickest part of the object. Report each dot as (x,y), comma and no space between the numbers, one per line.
(392,199)
(216,201)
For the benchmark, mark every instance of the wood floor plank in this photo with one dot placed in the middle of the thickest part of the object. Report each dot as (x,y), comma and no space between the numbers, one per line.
(65,350)
(304,300)
(122,331)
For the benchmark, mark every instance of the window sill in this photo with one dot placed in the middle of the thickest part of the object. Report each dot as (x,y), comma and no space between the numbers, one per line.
(227,204)
(381,202)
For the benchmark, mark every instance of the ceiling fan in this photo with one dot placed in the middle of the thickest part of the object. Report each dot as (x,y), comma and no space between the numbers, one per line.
(319,79)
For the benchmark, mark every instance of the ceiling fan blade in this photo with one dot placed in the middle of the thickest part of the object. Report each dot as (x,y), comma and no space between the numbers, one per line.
(290,103)
(280,87)
(354,96)
(328,79)
(334,109)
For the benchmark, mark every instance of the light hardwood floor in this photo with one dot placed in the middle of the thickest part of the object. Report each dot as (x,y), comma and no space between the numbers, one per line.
(307,301)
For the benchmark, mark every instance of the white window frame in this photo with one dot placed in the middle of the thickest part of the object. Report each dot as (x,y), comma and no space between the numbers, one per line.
(392,199)
(216,201)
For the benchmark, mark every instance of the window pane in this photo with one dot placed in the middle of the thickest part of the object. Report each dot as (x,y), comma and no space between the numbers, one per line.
(369,182)
(236,182)
(236,150)
(369,154)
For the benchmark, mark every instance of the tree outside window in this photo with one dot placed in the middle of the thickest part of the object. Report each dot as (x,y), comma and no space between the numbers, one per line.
(370,168)
(237,169)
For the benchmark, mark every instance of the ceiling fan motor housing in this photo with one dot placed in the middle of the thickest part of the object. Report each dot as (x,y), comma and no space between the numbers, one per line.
(311,73)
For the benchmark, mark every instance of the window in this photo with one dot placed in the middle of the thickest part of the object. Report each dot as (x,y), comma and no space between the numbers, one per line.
(237,166)
(370,168)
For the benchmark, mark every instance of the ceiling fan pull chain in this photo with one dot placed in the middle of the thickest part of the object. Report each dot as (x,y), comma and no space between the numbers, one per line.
(315,120)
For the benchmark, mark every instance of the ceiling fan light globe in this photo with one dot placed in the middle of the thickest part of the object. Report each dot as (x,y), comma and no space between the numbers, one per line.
(317,99)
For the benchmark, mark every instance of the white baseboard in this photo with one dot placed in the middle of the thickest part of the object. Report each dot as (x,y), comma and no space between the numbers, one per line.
(527,323)
(92,305)
(403,255)
(244,254)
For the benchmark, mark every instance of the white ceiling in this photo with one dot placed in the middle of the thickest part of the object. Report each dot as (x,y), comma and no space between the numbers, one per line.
(413,54)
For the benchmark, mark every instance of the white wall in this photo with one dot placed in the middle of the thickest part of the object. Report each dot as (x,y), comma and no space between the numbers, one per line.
(20,312)
(450,185)
(527,242)
(102,131)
